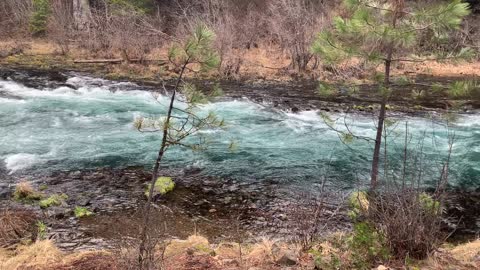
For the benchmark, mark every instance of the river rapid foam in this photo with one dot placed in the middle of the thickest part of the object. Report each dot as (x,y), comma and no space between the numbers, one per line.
(90,125)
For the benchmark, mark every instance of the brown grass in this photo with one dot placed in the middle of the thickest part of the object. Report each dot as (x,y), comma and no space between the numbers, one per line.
(38,256)
(24,190)
(462,257)
(15,226)
(44,255)
(267,62)
(90,260)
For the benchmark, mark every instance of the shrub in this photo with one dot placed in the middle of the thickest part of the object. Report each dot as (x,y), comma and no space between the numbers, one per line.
(163,185)
(39,19)
(410,220)
(429,204)
(368,246)
(358,202)
(24,192)
(82,212)
(54,200)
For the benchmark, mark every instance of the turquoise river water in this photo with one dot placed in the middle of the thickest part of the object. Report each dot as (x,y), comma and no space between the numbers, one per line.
(67,129)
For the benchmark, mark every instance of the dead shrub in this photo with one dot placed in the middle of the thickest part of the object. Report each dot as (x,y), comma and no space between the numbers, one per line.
(15,17)
(293,24)
(315,214)
(120,30)
(16,225)
(60,25)
(410,220)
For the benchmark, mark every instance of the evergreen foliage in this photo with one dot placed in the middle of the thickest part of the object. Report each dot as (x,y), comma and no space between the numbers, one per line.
(388,32)
(370,33)
(196,54)
(39,18)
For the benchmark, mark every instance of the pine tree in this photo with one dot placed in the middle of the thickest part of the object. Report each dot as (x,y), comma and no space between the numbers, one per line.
(39,18)
(180,123)
(388,32)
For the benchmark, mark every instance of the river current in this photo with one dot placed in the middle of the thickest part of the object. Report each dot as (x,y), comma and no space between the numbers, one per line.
(51,129)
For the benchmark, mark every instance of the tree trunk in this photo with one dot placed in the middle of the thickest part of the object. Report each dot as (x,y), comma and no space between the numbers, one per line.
(380,123)
(142,263)
(81,14)
(398,8)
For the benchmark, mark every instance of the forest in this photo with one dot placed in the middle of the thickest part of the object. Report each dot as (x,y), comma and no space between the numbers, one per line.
(254,134)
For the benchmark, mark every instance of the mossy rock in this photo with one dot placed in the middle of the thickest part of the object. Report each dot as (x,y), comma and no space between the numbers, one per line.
(163,185)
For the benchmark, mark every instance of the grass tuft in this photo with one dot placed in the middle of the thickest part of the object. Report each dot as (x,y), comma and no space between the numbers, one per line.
(24,192)
(81,212)
(54,200)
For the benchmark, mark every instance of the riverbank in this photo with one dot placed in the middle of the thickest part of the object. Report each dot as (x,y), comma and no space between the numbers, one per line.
(291,96)
(241,224)
(197,253)
(207,200)
(258,81)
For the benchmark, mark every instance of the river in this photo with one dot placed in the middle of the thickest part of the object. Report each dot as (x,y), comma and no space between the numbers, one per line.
(90,125)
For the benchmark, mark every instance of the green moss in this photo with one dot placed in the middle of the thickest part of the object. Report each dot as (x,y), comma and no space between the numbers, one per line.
(43,187)
(54,200)
(163,185)
(81,212)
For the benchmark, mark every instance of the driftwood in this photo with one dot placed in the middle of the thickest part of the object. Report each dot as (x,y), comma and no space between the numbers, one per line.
(117,61)
(98,61)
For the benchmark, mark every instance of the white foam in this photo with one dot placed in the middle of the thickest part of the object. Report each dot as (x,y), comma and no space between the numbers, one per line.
(468,121)
(306,116)
(21,161)
(11,101)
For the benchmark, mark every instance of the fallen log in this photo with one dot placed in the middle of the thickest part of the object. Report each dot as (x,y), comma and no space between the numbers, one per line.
(98,61)
(118,61)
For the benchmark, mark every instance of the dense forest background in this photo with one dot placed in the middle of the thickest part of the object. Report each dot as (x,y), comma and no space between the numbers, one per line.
(133,29)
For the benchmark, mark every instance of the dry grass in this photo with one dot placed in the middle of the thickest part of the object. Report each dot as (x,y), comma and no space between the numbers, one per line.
(24,190)
(15,226)
(185,254)
(43,255)
(40,255)
(90,260)
(198,244)
(469,252)
(267,62)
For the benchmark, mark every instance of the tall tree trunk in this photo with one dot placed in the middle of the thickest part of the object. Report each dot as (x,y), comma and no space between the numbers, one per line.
(380,124)
(142,263)
(81,14)
(398,9)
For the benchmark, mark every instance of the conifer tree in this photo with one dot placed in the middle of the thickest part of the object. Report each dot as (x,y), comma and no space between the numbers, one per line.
(39,18)
(195,54)
(389,32)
